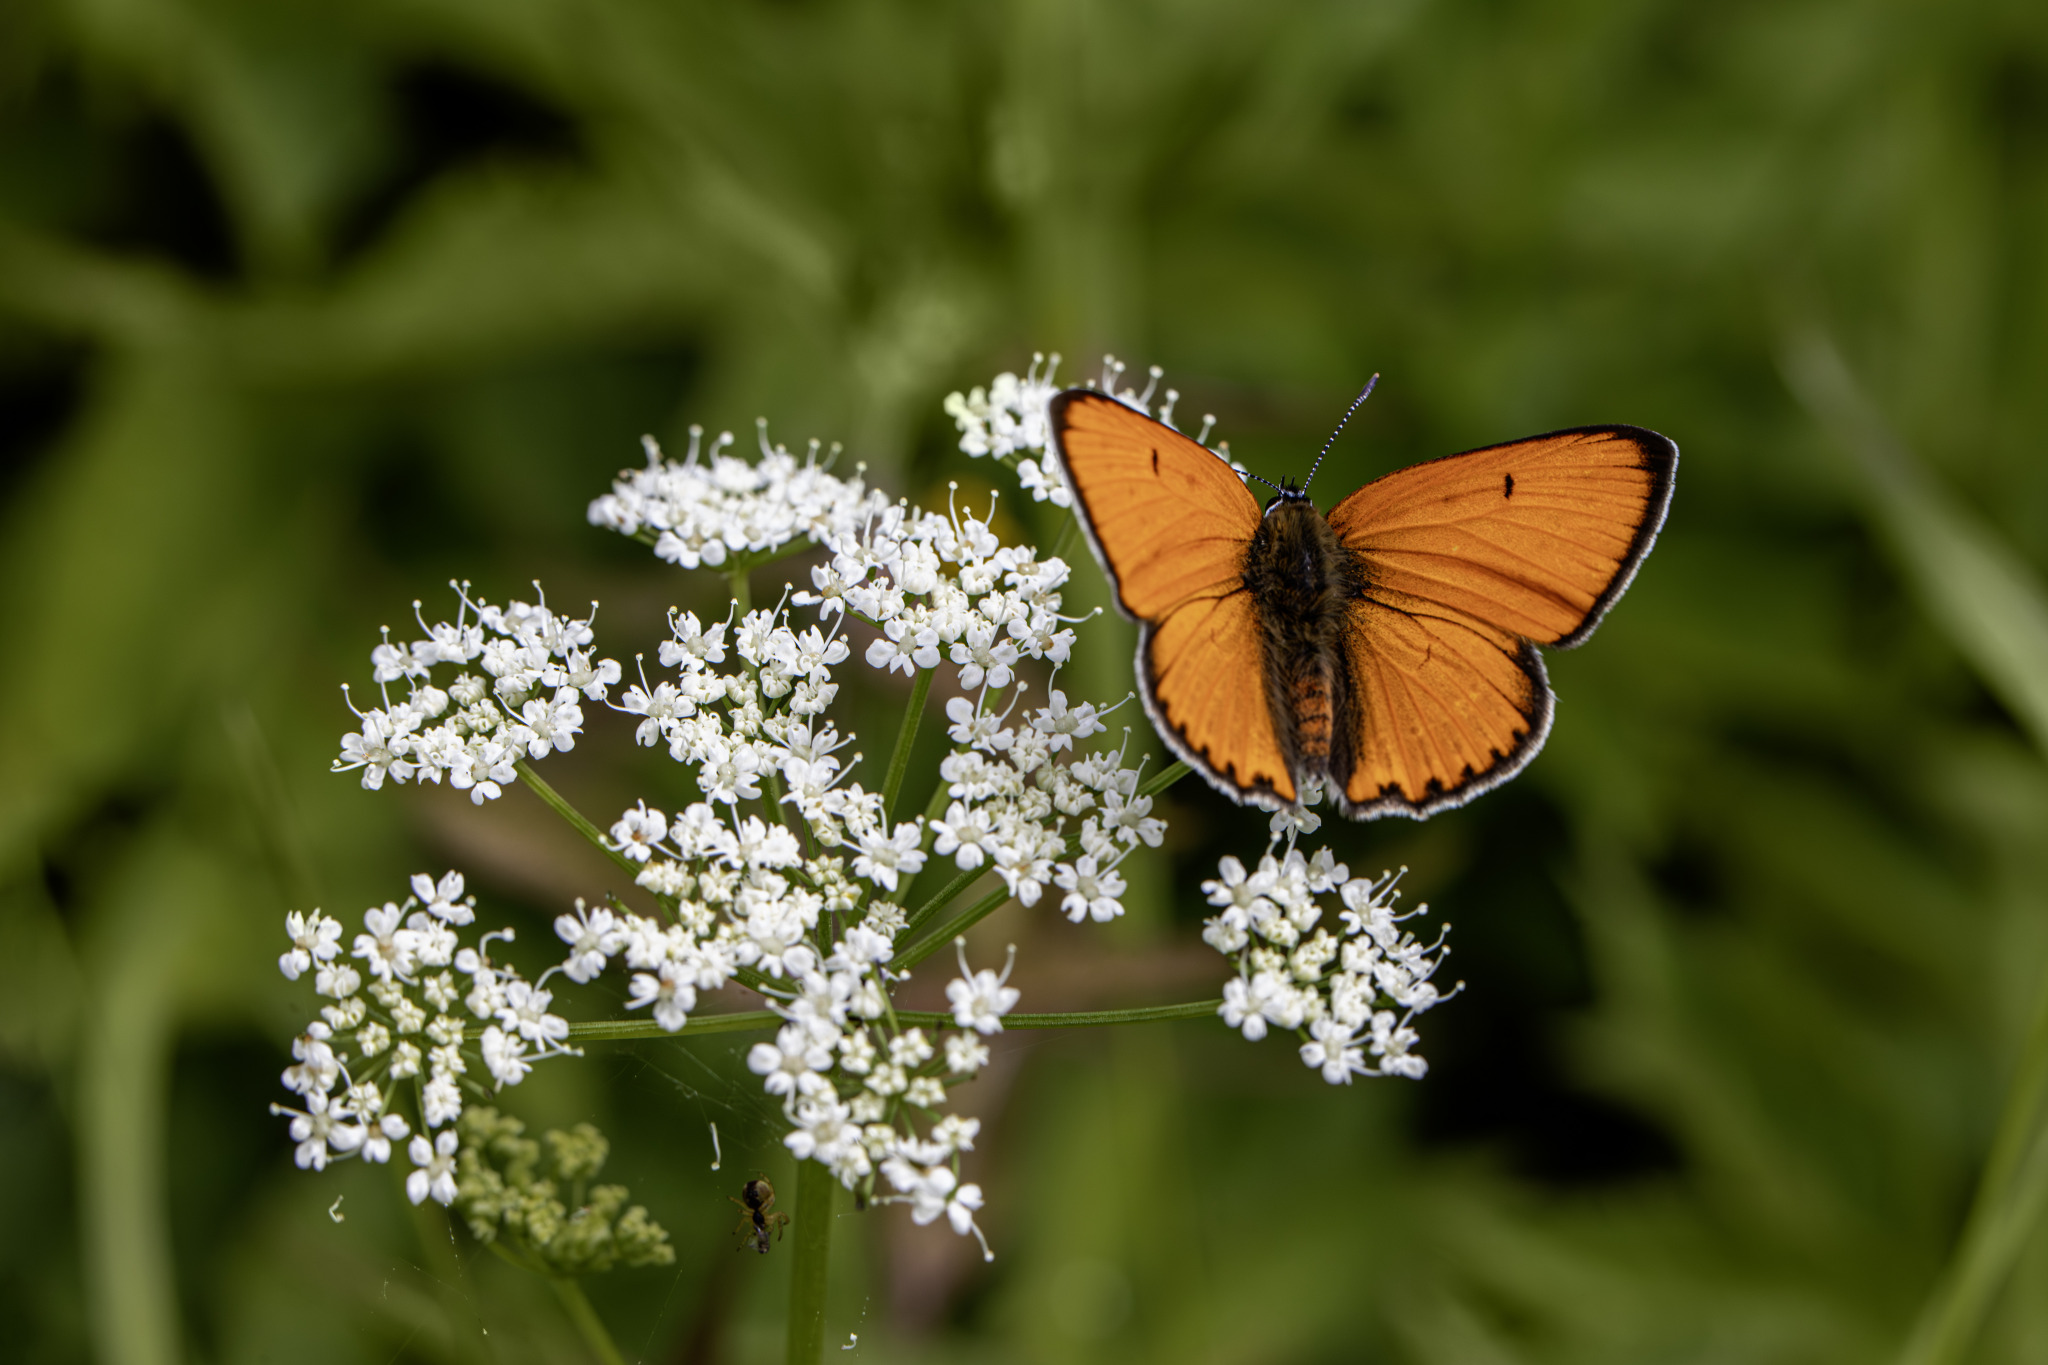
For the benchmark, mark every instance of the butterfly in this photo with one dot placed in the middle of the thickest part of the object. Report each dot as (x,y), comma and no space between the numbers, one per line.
(1388,652)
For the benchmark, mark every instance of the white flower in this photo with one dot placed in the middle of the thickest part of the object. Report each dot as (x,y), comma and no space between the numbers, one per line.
(435,1176)
(965,1054)
(1091,894)
(525,1010)
(670,989)
(504,1057)
(593,936)
(824,1128)
(790,1064)
(1240,1011)
(910,1048)
(443,899)
(321,1130)
(378,748)
(705,508)
(798,897)
(315,938)
(441,1100)
(883,857)
(1009,416)
(1391,1040)
(638,831)
(389,1129)
(1332,1048)
(981,999)
(386,949)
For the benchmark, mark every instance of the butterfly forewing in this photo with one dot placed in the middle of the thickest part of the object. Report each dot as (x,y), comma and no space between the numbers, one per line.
(1536,537)
(1170,521)
(1168,518)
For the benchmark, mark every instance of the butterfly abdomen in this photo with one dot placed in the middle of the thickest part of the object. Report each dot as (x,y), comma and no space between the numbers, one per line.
(1312,710)
(1303,581)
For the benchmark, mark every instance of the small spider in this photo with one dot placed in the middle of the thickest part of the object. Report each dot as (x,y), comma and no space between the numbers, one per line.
(757,1197)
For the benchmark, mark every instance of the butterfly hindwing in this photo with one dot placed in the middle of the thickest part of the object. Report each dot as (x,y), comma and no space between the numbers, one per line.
(1468,563)
(1202,673)
(1170,520)
(1447,708)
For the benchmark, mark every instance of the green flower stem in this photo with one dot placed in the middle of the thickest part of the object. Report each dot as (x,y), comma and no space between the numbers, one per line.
(772,799)
(1163,779)
(951,929)
(556,802)
(741,588)
(816,1192)
(1144,1014)
(560,806)
(742,1021)
(2008,1202)
(1069,532)
(939,902)
(899,761)
(586,1319)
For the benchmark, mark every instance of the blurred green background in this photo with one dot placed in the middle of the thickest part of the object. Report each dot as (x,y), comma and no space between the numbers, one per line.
(306,308)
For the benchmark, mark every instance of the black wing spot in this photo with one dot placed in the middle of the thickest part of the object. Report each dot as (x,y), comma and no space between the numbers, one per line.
(1509,492)
(1155,462)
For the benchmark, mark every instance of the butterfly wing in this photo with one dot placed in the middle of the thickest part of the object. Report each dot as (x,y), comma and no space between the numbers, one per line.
(1170,521)
(1469,563)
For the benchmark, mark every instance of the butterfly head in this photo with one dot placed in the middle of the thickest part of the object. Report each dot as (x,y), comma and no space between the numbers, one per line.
(1286,493)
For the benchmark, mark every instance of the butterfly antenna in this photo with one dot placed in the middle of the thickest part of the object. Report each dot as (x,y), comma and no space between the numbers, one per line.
(1268,482)
(1363,394)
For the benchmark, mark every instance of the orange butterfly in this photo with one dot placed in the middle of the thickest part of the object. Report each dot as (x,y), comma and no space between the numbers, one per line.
(1388,651)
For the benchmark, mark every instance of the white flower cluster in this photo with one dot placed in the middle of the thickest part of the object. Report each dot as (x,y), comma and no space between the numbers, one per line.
(942,589)
(1350,994)
(718,510)
(397,1016)
(1008,420)
(850,1079)
(526,702)
(856,1085)
(808,904)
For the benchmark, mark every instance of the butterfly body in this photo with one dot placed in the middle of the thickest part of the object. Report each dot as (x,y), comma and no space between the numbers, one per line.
(1303,582)
(1388,650)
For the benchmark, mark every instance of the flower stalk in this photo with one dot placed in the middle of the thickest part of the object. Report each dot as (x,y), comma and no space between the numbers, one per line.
(906,736)
(750,1021)
(577,821)
(816,1194)
(576,1304)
